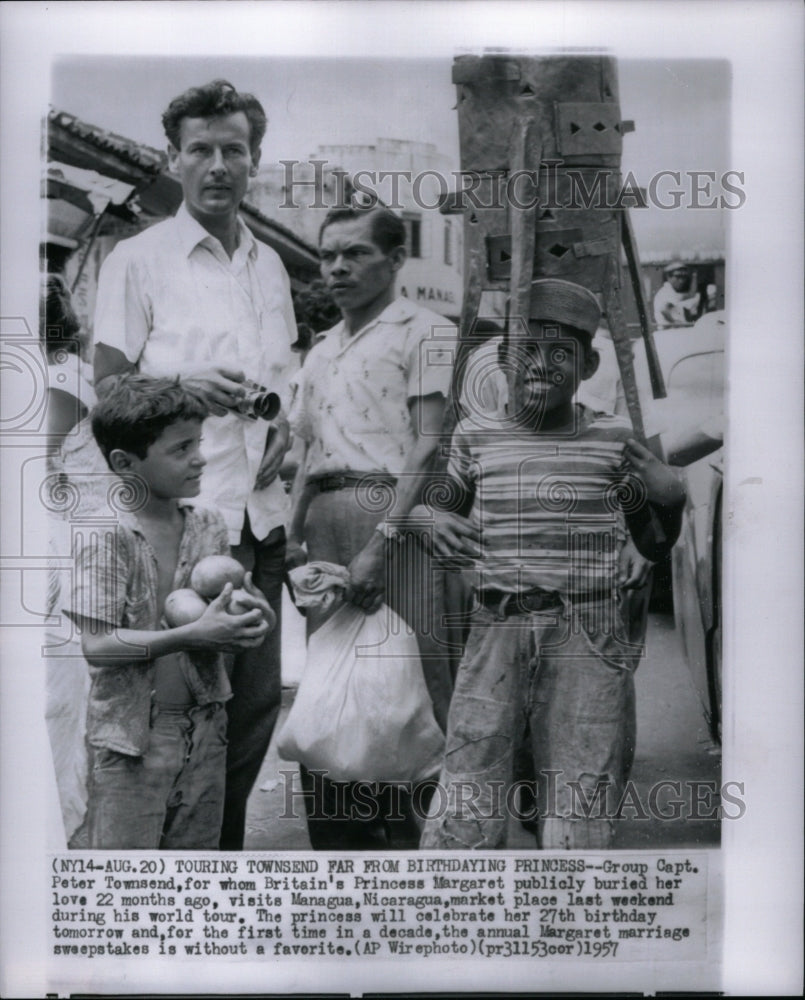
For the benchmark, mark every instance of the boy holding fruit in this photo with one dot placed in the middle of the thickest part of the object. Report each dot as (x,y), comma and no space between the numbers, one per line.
(156,723)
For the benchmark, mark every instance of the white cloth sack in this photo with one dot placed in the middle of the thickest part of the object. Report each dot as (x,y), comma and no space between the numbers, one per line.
(362,711)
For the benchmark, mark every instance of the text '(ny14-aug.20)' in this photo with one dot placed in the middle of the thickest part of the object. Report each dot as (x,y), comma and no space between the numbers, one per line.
(638,908)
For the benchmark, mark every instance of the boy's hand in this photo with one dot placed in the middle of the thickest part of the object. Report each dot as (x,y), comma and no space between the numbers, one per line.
(218,630)
(663,486)
(257,599)
(448,534)
(633,569)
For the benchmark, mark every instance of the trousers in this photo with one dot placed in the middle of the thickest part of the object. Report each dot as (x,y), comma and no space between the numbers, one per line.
(172,797)
(256,678)
(338,525)
(564,676)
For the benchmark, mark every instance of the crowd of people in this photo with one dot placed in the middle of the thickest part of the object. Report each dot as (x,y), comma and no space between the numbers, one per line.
(514,524)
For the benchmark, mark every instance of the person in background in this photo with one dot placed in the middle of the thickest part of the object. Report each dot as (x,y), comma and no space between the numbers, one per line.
(70,391)
(69,399)
(677,301)
(196,296)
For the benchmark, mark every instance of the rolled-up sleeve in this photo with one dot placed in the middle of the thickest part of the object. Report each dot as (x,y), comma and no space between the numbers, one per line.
(123,313)
(460,464)
(99,577)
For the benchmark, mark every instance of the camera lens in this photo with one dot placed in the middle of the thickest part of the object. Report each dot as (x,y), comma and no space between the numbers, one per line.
(266,405)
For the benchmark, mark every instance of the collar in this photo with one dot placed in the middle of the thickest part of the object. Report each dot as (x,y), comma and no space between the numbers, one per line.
(401,310)
(192,234)
(129,519)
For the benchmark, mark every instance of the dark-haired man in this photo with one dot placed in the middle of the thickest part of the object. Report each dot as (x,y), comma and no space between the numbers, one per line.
(368,403)
(677,302)
(197,296)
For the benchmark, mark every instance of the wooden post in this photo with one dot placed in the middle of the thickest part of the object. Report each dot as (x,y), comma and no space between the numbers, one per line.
(557,119)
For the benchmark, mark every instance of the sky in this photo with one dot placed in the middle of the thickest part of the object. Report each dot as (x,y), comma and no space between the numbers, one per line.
(681,110)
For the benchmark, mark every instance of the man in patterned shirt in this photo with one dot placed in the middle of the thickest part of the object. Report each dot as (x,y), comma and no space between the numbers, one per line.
(368,404)
(553,489)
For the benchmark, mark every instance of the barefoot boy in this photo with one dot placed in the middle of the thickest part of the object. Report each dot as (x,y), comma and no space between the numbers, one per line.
(553,490)
(156,723)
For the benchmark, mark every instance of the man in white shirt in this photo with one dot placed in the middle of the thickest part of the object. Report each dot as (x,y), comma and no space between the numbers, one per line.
(196,296)
(369,403)
(675,304)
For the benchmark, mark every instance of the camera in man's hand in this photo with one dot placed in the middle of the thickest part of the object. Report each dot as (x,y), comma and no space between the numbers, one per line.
(258,402)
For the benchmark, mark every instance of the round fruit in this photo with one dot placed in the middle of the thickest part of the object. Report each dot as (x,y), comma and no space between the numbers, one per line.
(184,606)
(212,573)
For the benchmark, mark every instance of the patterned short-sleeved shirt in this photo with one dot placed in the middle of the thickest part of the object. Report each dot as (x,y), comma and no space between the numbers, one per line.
(115,583)
(352,394)
(549,506)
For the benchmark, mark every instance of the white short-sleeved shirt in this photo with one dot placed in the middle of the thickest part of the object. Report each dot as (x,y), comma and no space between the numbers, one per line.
(351,396)
(170,298)
(669,299)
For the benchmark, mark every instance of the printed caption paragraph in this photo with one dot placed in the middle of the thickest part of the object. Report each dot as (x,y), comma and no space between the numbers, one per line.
(540,907)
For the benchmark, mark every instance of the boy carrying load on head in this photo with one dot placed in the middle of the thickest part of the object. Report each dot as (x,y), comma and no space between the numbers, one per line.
(553,489)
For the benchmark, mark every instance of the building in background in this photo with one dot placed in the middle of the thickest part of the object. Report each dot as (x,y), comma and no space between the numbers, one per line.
(408,177)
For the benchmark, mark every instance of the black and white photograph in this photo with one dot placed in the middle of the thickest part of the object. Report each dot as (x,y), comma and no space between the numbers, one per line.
(402,452)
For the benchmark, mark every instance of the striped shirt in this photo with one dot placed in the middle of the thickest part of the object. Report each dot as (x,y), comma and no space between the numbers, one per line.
(548,505)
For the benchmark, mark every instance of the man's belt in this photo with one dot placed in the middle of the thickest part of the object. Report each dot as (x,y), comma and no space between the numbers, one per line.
(504,603)
(350,480)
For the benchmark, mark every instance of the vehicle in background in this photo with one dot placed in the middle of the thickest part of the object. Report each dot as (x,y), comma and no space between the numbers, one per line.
(690,424)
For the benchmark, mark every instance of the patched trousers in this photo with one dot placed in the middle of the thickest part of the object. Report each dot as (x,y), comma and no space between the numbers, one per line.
(565,675)
(171,797)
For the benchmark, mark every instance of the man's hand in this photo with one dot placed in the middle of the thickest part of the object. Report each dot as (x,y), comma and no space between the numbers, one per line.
(367,576)
(450,534)
(222,388)
(278,442)
(295,555)
(663,486)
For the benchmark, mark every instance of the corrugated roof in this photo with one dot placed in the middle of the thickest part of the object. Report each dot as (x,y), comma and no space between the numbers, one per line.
(145,157)
(153,163)
(691,256)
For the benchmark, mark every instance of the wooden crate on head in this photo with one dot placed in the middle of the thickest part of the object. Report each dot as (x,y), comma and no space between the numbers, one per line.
(541,140)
